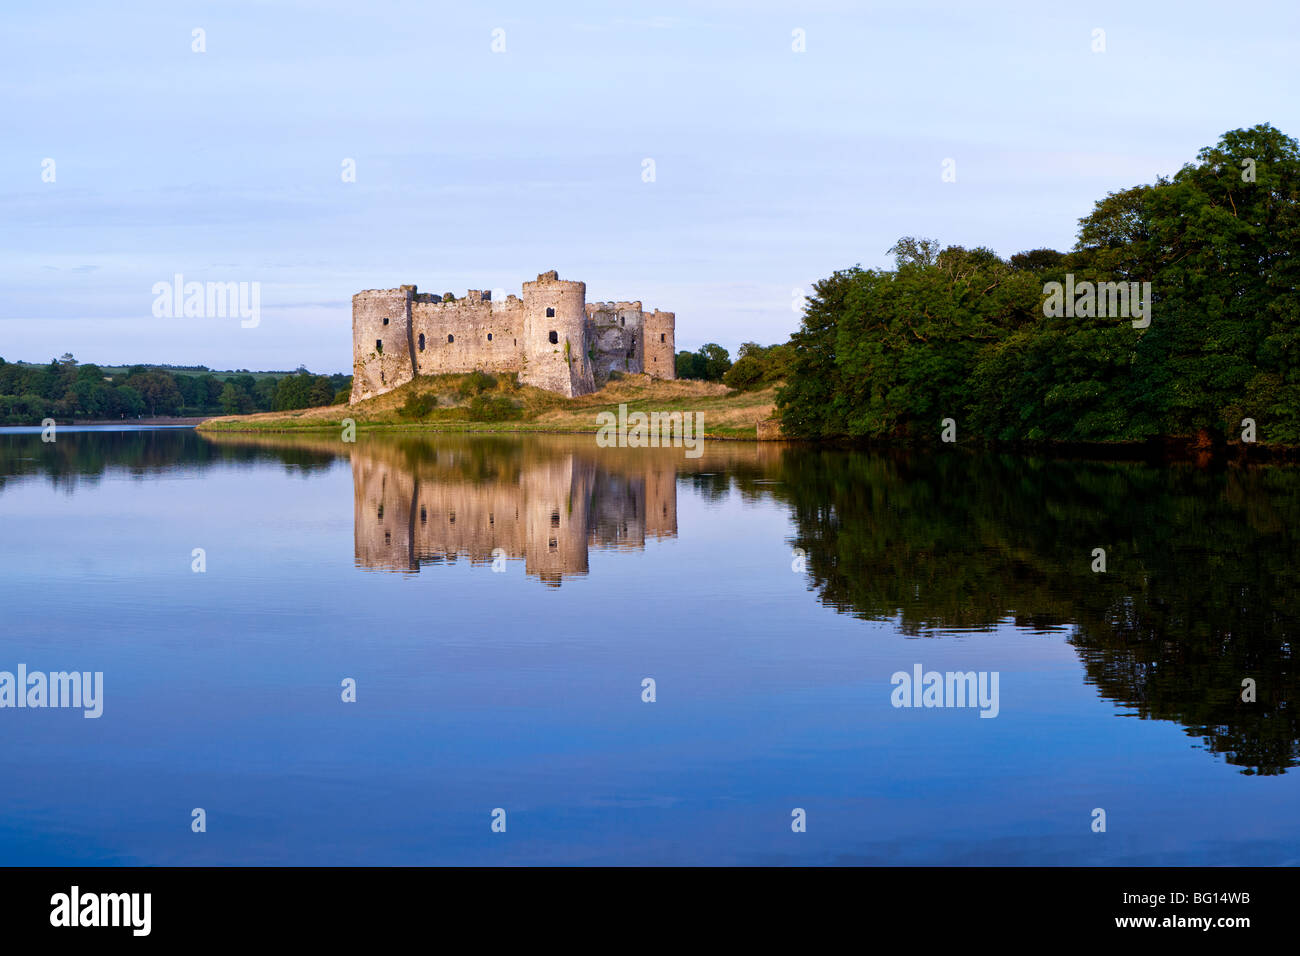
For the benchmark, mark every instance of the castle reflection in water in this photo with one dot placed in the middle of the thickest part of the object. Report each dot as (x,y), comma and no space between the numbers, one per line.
(417,504)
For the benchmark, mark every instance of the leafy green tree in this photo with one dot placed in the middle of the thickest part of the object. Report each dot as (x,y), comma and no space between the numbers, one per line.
(688,365)
(263,391)
(715,361)
(159,391)
(321,393)
(234,400)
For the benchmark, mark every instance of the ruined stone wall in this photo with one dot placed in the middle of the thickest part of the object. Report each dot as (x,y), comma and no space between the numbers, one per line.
(467,334)
(617,338)
(660,345)
(381,341)
(555,336)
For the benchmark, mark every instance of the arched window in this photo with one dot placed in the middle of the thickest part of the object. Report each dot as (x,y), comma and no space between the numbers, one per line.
(555,339)
(421,341)
(450,338)
(489,336)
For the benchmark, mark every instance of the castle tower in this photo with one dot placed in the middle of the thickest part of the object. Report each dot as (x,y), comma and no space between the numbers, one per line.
(660,355)
(555,336)
(381,341)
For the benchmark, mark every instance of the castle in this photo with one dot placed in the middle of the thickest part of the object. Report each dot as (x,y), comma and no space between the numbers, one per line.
(552,337)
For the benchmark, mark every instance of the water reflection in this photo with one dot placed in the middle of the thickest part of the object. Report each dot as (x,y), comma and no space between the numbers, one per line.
(1201,590)
(492,500)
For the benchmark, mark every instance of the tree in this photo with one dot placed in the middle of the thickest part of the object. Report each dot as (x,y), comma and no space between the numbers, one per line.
(234,400)
(688,365)
(159,391)
(715,361)
(321,393)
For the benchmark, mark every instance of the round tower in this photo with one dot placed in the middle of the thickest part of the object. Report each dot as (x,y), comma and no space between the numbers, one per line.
(555,342)
(660,354)
(381,341)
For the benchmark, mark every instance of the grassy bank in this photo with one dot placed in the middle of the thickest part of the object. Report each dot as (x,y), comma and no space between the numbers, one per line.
(473,403)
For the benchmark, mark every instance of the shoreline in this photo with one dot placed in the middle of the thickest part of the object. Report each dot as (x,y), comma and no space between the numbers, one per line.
(1163,450)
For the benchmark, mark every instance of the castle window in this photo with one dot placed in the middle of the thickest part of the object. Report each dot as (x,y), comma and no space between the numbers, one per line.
(622,320)
(550,313)
(450,338)
(555,519)
(661,336)
(424,515)
(379,346)
(555,339)
(421,341)
(385,320)
(489,336)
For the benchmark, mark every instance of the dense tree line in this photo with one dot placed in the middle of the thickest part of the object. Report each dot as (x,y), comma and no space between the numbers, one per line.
(964,334)
(66,390)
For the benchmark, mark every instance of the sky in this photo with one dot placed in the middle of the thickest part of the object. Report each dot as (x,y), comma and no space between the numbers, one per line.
(710,159)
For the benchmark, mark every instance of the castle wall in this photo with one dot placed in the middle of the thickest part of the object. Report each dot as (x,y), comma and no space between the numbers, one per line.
(617,338)
(467,334)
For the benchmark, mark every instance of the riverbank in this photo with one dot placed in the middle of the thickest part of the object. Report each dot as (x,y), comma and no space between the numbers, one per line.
(464,403)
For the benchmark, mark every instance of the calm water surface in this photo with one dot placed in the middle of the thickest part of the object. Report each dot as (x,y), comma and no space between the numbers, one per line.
(521,687)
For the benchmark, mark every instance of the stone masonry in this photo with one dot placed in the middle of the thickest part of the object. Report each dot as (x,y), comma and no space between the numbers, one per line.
(552,337)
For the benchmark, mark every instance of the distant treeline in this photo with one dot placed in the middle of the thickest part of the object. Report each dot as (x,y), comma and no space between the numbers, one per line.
(963,334)
(756,365)
(68,391)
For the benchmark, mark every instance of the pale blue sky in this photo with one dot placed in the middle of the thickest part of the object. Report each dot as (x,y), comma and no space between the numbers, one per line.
(478,169)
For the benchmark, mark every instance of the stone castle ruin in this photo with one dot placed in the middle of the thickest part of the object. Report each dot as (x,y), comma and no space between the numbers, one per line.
(553,337)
